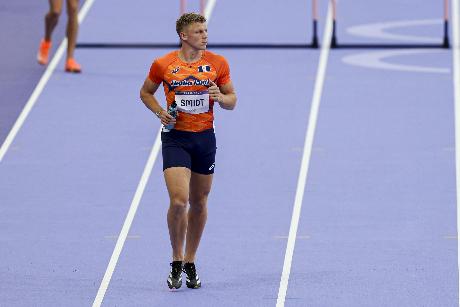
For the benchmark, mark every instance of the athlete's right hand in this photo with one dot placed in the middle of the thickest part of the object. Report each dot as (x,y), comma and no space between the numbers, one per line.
(166,119)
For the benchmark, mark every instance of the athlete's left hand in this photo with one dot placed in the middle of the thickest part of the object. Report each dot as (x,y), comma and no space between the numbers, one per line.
(214,92)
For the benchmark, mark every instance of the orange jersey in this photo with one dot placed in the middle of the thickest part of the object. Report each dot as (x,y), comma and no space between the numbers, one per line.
(187,84)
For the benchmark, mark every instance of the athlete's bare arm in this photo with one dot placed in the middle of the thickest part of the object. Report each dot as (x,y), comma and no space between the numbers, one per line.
(148,89)
(224,94)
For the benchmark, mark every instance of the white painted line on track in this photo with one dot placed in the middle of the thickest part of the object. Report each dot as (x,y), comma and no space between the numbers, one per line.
(128,221)
(128,237)
(456,80)
(379,30)
(377,60)
(135,203)
(41,85)
(287,237)
(314,110)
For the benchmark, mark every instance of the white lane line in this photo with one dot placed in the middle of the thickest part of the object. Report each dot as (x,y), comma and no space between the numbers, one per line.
(287,237)
(41,85)
(456,80)
(379,30)
(128,237)
(134,204)
(320,76)
(128,221)
(377,60)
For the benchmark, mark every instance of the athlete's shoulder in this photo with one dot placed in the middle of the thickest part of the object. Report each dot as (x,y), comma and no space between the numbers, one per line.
(167,59)
(159,66)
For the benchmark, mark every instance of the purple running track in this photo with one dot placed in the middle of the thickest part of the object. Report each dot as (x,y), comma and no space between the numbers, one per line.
(379,209)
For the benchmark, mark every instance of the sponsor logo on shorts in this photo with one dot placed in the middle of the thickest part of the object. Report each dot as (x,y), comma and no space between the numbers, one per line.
(212,166)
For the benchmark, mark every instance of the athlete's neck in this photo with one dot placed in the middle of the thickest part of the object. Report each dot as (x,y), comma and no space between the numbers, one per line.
(190,55)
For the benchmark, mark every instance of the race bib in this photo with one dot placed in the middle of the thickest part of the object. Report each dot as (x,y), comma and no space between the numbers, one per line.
(192,102)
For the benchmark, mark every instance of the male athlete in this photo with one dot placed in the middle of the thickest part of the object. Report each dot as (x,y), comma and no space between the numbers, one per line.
(195,79)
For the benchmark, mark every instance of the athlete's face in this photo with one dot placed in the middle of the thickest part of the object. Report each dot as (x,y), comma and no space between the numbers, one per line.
(196,35)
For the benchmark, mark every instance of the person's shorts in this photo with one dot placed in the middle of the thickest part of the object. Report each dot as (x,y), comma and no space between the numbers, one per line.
(193,150)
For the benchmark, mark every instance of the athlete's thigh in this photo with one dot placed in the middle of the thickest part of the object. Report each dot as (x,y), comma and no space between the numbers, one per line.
(178,182)
(55,6)
(200,187)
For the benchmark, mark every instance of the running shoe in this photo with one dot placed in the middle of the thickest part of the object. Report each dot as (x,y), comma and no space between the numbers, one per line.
(72,66)
(43,52)
(192,280)
(175,276)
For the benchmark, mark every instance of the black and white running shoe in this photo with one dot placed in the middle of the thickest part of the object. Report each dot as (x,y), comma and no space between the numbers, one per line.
(192,280)
(175,276)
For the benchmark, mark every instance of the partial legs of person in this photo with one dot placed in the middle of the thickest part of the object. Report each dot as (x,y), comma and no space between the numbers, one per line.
(200,186)
(51,20)
(185,186)
(72,32)
(178,184)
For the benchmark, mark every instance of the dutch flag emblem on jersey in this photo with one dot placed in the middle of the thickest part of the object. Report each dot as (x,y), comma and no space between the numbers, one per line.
(204,68)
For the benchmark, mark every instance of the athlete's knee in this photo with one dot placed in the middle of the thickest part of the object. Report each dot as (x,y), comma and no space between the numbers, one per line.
(178,204)
(199,208)
(72,8)
(199,197)
(199,204)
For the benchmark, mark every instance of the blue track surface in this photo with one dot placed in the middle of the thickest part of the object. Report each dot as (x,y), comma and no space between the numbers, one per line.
(378,219)
(21,28)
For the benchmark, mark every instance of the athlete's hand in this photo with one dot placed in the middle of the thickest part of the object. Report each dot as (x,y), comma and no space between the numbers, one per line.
(167,119)
(214,92)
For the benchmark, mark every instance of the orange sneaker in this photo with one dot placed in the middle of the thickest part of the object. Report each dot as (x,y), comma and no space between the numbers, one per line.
(44,52)
(72,66)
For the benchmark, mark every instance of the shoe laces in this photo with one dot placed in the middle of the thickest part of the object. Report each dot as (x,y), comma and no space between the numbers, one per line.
(190,270)
(176,268)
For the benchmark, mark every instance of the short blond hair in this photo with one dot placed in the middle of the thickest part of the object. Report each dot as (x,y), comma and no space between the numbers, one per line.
(187,19)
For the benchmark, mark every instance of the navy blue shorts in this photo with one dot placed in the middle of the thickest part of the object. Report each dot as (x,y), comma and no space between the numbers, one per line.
(193,150)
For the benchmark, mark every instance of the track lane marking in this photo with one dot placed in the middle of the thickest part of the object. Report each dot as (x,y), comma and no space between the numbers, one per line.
(314,110)
(456,81)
